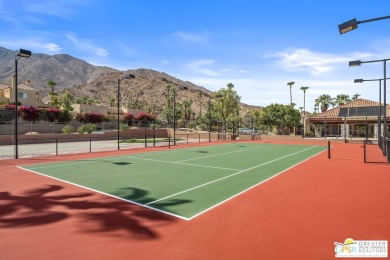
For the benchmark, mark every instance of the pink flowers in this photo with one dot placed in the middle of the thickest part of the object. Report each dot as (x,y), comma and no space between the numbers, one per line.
(90,117)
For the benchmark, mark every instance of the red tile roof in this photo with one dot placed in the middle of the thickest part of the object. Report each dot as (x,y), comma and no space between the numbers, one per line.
(20,86)
(334,112)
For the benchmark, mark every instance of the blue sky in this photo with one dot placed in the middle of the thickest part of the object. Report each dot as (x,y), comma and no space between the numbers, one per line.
(258,46)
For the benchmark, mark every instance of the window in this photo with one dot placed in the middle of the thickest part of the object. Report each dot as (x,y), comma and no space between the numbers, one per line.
(22,95)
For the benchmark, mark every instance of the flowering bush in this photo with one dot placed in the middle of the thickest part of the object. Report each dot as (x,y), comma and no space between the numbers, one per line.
(90,117)
(53,114)
(28,113)
(7,107)
(128,117)
(143,115)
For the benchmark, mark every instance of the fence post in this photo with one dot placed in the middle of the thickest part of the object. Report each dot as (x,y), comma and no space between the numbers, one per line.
(169,142)
(154,137)
(199,137)
(56,146)
(187,138)
(90,144)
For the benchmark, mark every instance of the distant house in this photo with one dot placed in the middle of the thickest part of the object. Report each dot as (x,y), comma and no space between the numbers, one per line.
(105,110)
(358,118)
(27,95)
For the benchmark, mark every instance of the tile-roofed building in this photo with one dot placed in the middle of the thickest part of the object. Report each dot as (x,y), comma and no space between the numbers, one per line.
(331,122)
(27,95)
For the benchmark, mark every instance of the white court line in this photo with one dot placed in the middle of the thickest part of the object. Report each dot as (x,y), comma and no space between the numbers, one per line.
(205,166)
(107,194)
(216,205)
(231,175)
(207,156)
(75,163)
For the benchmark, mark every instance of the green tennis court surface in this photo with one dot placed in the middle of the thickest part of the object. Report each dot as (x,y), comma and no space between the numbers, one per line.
(181,182)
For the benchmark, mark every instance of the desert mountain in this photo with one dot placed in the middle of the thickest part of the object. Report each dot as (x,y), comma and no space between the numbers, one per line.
(100,83)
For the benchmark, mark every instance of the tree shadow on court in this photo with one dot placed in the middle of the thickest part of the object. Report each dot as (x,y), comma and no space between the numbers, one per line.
(141,196)
(36,207)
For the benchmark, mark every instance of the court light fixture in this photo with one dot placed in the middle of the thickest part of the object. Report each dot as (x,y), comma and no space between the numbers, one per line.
(355,63)
(353,24)
(22,54)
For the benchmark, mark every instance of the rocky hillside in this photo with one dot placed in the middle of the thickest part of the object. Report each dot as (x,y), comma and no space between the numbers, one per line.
(100,83)
(65,70)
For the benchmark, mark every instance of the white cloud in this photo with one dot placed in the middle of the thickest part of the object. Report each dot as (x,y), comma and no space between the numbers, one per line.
(87,45)
(209,67)
(199,66)
(59,8)
(36,44)
(315,62)
(191,37)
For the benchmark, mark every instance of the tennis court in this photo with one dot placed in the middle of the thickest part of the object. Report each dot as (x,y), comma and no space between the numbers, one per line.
(181,182)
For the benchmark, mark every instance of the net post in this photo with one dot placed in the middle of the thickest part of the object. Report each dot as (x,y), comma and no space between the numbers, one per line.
(365,151)
(154,137)
(145,136)
(90,144)
(328,149)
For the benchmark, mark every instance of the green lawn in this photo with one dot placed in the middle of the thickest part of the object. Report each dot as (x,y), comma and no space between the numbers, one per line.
(181,182)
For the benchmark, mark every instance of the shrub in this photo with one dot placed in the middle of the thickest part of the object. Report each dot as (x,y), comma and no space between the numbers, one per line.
(123,127)
(202,127)
(42,114)
(191,125)
(68,129)
(28,113)
(90,117)
(128,117)
(64,116)
(6,112)
(89,128)
(80,130)
(143,115)
(53,114)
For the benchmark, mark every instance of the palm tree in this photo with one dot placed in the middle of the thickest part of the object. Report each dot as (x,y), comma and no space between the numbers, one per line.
(341,99)
(290,84)
(304,88)
(356,96)
(51,84)
(323,101)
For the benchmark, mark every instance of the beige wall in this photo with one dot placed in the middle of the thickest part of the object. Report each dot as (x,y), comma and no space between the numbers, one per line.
(79,108)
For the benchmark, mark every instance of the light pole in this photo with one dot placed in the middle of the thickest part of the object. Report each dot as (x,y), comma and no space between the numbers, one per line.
(353,24)
(304,110)
(174,113)
(380,103)
(129,76)
(358,63)
(300,108)
(22,54)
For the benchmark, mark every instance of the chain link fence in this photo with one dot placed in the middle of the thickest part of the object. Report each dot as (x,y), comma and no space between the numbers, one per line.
(376,151)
